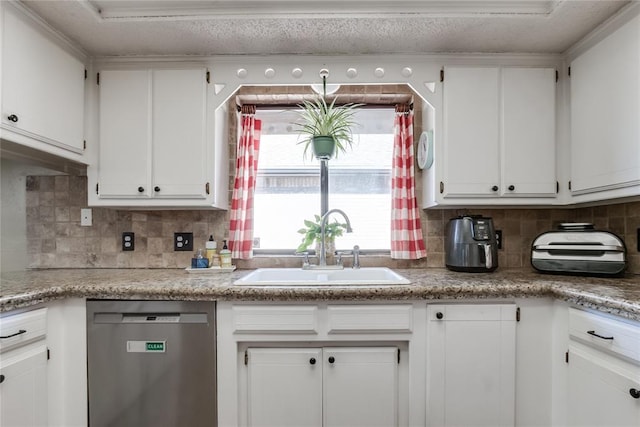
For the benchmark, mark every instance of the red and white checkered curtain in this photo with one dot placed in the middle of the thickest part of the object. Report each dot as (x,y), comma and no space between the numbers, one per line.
(406,231)
(241,225)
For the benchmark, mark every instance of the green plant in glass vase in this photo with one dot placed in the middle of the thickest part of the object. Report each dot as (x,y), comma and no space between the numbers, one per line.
(312,233)
(327,127)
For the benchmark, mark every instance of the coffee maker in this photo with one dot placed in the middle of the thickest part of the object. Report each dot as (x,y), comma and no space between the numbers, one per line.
(471,244)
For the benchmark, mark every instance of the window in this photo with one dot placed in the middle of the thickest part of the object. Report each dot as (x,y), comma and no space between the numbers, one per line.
(288,185)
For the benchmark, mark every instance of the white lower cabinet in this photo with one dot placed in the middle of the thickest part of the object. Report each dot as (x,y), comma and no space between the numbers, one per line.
(603,371)
(321,364)
(471,355)
(23,369)
(602,392)
(23,388)
(331,386)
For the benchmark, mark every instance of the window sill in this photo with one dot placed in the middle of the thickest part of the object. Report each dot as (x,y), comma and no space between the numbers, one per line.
(291,253)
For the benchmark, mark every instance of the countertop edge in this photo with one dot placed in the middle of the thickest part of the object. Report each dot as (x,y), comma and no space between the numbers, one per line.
(618,297)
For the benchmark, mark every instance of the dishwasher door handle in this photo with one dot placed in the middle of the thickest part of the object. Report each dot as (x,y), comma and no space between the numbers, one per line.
(150,318)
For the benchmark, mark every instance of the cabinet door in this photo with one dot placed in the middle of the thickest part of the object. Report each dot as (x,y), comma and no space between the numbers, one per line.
(605,106)
(23,387)
(179,133)
(471,365)
(125,134)
(284,387)
(599,391)
(42,85)
(471,132)
(361,387)
(528,132)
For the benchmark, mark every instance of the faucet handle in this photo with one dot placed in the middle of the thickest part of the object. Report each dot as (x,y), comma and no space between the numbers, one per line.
(356,256)
(305,260)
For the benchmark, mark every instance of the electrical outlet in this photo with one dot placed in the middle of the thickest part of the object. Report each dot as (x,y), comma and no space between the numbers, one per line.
(183,241)
(499,238)
(128,241)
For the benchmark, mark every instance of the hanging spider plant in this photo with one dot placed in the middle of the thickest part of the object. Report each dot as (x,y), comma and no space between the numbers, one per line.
(327,127)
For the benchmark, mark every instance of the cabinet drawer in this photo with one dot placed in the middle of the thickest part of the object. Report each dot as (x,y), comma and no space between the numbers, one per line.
(369,318)
(602,332)
(20,329)
(277,319)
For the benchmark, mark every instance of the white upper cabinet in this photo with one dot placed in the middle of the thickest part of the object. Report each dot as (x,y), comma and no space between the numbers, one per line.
(155,147)
(42,88)
(605,117)
(125,136)
(471,132)
(498,138)
(528,132)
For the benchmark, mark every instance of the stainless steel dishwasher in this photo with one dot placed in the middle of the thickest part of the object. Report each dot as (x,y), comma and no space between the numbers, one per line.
(151,363)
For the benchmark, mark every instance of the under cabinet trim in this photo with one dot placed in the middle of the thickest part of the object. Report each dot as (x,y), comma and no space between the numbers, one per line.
(275,319)
(370,319)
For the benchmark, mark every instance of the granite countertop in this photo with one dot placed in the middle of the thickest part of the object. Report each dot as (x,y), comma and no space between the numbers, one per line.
(620,296)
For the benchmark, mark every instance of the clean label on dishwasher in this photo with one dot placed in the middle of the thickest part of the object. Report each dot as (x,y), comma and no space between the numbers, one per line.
(146,346)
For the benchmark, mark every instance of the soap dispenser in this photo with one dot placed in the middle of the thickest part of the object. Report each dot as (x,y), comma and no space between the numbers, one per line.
(225,256)
(211,247)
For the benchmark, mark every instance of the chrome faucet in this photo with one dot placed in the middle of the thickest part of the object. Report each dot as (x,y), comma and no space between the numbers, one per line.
(323,224)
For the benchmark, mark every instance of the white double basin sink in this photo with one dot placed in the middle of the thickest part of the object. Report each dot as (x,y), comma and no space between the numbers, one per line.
(319,277)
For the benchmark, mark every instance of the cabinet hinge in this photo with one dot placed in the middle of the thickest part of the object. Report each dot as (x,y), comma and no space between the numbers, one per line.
(569,71)
(246,357)
(566,357)
(48,354)
(517,314)
(98,78)
(441,187)
(208,77)
(557,187)
(557,76)
(85,74)
(97,188)
(84,144)
(398,356)
(569,185)
(442,75)
(206,188)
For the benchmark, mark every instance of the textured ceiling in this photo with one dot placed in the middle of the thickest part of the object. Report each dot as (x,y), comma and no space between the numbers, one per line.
(371,33)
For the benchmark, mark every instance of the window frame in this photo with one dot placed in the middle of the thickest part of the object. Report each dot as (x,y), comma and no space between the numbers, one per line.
(315,172)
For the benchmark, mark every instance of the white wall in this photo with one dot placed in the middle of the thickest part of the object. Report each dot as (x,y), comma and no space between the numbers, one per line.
(13,212)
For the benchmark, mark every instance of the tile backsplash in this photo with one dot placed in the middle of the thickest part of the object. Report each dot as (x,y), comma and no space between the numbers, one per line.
(55,238)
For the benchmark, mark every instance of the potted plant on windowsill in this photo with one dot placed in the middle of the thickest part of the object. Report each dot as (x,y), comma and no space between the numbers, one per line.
(327,127)
(312,233)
